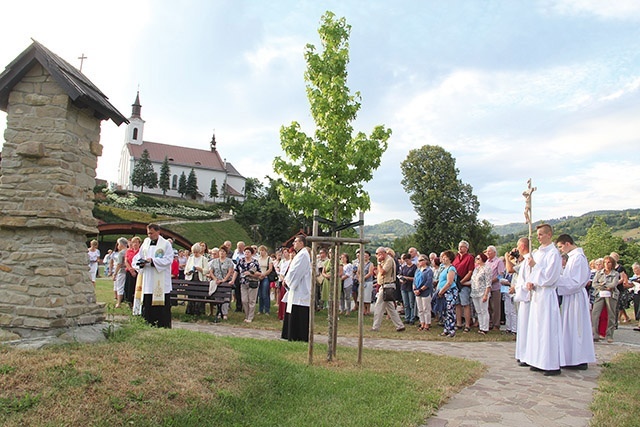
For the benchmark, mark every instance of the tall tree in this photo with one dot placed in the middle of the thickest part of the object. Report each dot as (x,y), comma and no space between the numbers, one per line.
(143,173)
(328,170)
(446,207)
(213,191)
(192,184)
(599,240)
(182,184)
(165,176)
(262,206)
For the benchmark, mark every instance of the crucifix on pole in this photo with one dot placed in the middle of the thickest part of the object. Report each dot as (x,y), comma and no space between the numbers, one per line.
(527,207)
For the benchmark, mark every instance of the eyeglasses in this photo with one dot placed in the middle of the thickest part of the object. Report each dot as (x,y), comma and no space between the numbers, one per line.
(421,259)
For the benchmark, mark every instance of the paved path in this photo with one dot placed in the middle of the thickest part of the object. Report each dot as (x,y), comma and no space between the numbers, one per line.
(507,395)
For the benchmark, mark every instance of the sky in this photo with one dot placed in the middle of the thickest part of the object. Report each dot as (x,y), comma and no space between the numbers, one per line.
(547,89)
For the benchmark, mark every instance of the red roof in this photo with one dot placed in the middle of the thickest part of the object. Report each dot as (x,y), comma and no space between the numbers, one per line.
(183,156)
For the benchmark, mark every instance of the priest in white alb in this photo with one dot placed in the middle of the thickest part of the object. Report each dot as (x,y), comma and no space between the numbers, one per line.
(544,351)
(297,282)
(577,340)
(153,261)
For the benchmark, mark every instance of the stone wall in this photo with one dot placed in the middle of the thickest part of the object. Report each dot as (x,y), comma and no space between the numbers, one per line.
(48,170)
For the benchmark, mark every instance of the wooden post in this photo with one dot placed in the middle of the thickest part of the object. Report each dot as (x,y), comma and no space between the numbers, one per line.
(360,292)
(312,297)
(336,298)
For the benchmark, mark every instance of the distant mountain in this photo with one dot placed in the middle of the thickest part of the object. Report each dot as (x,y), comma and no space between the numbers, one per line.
(624,223)
(388,231)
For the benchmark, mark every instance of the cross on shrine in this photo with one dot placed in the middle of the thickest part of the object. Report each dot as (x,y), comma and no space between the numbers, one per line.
(81,58)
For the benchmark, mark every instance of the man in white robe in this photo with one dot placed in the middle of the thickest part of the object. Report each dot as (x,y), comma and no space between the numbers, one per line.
(157,254)
(544,350)
(577,341)
(522,299)
(297,281)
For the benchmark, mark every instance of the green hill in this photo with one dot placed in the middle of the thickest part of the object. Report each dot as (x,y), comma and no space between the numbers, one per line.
(385,233)
(624,223)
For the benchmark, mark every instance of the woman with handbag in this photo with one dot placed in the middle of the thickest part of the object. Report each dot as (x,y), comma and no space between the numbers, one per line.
(264,289)
(221,271)
(197,268)
(248,270)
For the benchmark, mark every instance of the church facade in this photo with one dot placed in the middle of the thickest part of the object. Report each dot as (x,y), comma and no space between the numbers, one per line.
(208,165)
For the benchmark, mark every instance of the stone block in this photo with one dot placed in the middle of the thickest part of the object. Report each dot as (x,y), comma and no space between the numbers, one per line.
(51,271)
(16,299)
(96,149)
(40,312)
(49,302)
(13,221)
(35,323)
(36,99)
(31,149)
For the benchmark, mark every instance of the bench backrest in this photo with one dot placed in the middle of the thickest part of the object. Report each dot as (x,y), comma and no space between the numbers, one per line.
(195,290)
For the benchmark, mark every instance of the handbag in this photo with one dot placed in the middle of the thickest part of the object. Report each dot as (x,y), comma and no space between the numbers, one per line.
(253,283)
(388,294)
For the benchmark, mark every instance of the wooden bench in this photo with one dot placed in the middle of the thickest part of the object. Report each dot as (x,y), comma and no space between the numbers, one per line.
(197,291)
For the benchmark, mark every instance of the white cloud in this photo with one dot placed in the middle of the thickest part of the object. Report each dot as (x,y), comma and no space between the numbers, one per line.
(275,49)
(626,10)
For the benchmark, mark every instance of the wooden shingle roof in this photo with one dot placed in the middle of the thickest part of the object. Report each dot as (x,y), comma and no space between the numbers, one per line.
(82,92)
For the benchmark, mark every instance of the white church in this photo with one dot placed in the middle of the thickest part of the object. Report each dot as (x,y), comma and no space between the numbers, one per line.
(207,164)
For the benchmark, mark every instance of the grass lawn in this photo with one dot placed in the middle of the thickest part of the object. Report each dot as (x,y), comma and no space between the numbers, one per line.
(347,325)
(615,402)
(146,377)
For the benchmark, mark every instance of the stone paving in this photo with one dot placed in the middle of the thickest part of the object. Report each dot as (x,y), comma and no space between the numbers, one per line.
(507,395)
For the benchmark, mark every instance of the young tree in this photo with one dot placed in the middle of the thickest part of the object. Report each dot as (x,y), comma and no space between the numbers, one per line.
(143,173)
(446,207)
(182,184)
(165,176)
(192,184)
(213,191)
(328,170)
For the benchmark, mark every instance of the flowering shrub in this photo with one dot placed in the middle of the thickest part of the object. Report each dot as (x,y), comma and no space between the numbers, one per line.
(149,205)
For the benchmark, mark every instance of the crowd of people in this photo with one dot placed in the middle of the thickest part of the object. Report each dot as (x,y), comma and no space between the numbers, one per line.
(552,300)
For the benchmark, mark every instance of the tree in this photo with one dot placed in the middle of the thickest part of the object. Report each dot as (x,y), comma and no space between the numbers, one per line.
(446,207)
(213,191)
(165,176)
(192,185)
(262,206)
(327,171)
(143,173)
(599,240)
(182,184)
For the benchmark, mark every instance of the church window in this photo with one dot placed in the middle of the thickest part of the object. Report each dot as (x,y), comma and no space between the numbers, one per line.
(174,182)
(135,133)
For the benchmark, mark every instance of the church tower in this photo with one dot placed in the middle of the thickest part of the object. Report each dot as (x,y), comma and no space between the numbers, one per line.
(135,129)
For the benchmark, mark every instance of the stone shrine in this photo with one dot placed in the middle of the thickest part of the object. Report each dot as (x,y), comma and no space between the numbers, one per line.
(47,176)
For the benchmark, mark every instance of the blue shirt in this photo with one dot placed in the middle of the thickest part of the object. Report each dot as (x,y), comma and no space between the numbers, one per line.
(442,280)
(424,278)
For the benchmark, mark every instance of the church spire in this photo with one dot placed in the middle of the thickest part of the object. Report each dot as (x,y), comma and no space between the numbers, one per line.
(135,128)
(213,142)
(136,107)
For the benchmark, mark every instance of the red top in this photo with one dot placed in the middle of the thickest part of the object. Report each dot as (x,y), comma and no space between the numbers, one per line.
(175,270)
(128,257)
(463,264)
